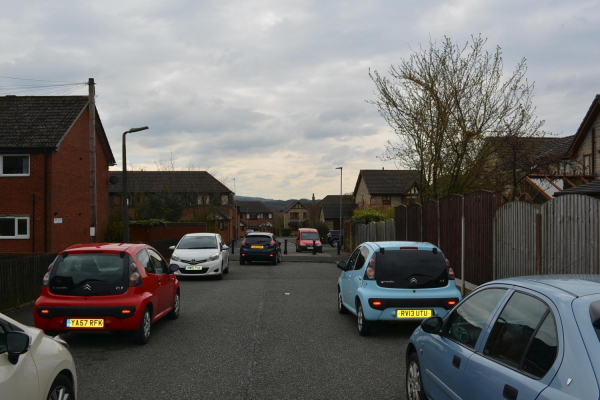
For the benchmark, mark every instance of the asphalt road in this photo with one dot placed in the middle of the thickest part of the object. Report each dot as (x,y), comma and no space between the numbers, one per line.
(264,332)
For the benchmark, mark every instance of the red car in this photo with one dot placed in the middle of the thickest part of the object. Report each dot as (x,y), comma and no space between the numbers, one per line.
(107,287)
(306,238)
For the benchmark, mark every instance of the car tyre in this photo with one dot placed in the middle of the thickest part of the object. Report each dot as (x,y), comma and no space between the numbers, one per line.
(242,261)
(334,243)
(61,388)
(414,383)
(174,313)
(364,326)
(279,257)
(341,308)
(142,334)
(226,270)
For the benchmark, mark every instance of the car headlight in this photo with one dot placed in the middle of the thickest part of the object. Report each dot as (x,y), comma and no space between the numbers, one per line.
(214,257)
(175,258)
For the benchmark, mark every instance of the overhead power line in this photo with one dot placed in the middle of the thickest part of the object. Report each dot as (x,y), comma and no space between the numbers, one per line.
(35,80)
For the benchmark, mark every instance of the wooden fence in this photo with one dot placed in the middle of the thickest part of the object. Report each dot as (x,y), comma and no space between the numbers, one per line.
(561,236)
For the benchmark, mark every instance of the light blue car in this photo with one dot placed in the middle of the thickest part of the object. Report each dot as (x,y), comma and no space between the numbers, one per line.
(395,281)
(534,337)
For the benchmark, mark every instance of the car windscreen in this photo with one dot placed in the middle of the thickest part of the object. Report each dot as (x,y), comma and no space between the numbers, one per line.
(411,269)
(258,240)
(309,236)
(95,274)
(197,242)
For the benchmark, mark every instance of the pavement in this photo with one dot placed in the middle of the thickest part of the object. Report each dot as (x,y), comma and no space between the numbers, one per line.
(263,332)
(329,254)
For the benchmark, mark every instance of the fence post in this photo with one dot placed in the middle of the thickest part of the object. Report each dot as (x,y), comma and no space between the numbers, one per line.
(315,246)
(232,246)
(538,244)
(285,247)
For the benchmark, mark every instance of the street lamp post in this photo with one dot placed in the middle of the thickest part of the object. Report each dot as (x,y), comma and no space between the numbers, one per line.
(341,229)
(124,195)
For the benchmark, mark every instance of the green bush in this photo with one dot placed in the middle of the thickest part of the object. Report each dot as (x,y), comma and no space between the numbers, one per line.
(114,233)
(322,228)
(373,213)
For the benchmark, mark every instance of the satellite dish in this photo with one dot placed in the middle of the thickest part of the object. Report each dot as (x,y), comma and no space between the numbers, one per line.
(113,180)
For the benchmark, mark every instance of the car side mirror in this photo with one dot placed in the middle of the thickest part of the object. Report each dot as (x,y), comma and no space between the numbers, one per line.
(173,268)
(432,324)
(225,247)
(171,247)
(17,343)
(342,265)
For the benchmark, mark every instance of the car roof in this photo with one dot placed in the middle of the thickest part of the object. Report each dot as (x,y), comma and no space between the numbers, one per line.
(395,245)
(577,285)
(110,247)
(260,234)
(307,230)
(200,234)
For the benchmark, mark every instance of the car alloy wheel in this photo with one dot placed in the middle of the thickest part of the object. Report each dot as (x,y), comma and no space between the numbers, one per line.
(147,324)
(174,313)
(341,308)
(60,393)
(414,384)
(364,325)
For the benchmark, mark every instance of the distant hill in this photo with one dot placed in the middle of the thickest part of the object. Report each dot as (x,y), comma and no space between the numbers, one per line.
(277,205)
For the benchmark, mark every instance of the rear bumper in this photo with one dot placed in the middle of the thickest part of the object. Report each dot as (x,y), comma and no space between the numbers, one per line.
(258,255)
(114,319)
(390,314)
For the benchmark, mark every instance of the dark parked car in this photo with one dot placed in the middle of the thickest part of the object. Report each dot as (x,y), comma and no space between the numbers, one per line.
(333,237)
(260,246)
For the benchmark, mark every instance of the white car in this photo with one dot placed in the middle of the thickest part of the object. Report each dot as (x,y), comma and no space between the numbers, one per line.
(201,254)
(33,365)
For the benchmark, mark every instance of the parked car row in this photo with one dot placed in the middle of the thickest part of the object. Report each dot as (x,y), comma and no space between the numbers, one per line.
(532,337)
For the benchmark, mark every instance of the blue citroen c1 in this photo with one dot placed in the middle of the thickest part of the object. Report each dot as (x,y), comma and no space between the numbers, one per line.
(535,337)
(395,281)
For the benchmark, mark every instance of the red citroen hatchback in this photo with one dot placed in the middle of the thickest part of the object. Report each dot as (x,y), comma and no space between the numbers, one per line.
(110,287)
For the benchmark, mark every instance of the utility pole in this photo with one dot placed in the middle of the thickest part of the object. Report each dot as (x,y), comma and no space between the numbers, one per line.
(93,198)
(124,196)
(341,228)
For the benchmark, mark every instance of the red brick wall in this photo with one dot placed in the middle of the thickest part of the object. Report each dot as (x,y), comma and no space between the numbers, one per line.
(69,192)
(16,197)
(149,234)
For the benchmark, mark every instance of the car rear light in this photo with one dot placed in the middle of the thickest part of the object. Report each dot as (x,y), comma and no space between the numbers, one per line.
(126,311)
(447,262)
(45,311)
(450,274)
(243,255)
(243,242)
(134,279)
(370,273)
(377,304)
(271,255)
(46,279)
(272,242)
(451,302)
(409,248)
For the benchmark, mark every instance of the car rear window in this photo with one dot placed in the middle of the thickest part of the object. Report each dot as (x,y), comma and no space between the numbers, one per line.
(258,239)
(97,274)
(595,317)
(411,269)
(197,242)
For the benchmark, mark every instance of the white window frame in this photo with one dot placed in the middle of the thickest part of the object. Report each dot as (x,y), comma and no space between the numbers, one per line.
(15,175)
(16,219)
(224,199)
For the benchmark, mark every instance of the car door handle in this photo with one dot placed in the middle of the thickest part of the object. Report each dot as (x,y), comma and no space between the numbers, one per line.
(510,393)
(456,362)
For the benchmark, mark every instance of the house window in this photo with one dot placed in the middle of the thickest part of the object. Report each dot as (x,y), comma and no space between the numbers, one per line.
(224,199)
(14,165)
(304,215)
(221,225)
(270,216)
(294,215)
(587,164)
(203,199)
(260,216)
(14,227)
(253,216)
(386,200)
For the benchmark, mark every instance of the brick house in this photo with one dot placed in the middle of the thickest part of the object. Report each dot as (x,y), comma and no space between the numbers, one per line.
(295,215)
(330,210)
(388,188)
(254,215)
(204,197)
(45,174)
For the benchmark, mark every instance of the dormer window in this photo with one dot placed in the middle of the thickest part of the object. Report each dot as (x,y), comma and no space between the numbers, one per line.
(14,164)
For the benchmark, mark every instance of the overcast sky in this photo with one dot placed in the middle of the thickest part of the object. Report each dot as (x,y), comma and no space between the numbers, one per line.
(272,93)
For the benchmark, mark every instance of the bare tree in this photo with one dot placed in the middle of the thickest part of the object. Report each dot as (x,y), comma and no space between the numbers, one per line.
(442,103)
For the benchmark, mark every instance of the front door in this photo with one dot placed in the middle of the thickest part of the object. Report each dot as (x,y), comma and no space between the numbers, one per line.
(444,357)
(165,280)
(518,356)
(347,290)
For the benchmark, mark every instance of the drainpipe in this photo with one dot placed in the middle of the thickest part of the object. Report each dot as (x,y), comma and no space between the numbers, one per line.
(45,201)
